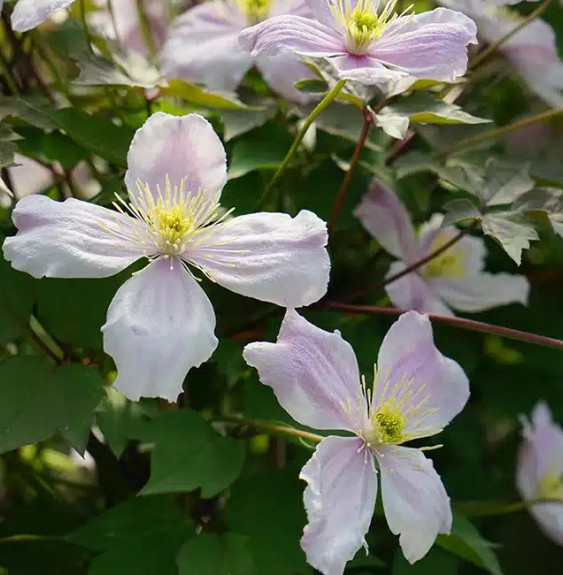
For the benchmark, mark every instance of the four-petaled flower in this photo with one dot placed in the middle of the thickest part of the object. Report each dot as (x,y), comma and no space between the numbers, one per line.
(368,42)
(160,323)
(202,46)
(532,51)
(540,471)
(454,279)
(29,14)
(416,393)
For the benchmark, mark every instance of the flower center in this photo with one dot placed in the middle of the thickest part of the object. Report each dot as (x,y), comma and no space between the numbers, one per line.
(255,10)
(388,426)
(550,486)
(450,264)
(364,23)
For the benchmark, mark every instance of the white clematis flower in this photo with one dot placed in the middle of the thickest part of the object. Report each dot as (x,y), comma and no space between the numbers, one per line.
(160,323)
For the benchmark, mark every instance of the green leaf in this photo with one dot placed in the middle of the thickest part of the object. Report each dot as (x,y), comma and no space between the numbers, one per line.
(238,122)
(436,562)
(7,146)
(504,182)
(198,96)
(209,554)
(394,125)
(67,397)
(460,210)
(466,542)
(511,230)
(423,107)
(25,109)
(189,454)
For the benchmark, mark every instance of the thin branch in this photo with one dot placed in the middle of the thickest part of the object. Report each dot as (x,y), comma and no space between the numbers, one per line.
(321,106)
(492,48)
(468,142)
(462,323)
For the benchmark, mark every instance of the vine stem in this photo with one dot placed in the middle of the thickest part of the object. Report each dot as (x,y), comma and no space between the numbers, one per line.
(482,509)
(85,29)
(462,323)
(271,429)
(321,106)
(492,48)
(413,267)
(468,142)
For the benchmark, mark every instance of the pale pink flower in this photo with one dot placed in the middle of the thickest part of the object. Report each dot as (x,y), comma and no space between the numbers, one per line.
(455,279)
(416,392)
(540,471)
(29,14)
(160,323)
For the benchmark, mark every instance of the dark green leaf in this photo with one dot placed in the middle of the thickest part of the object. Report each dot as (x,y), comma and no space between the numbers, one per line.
(458,211)
(198,96)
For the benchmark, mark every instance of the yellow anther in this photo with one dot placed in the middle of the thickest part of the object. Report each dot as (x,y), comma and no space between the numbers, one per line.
(450,264)
(550,486)
(388,426)
(255,10)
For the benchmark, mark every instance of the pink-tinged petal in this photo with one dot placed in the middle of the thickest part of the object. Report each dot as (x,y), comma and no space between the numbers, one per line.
(291,34)
(541,457)
(268,256)
(410,367)
(411,292)
(386,219)
(482,291)
(431,45)
(29,177)
(281,72)
(159,325)
(29,14)
(202,46)
(127,27)
(177,147)
(295,7)
(71,239)
(320,10)
(366,70)
(314,374)
(339,499)
(416,504)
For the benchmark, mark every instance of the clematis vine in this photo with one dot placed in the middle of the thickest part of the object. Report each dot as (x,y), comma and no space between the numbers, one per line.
(367,41)
(540,471)
(160,323)
(416,392)
(202,46)
(454,279)
(532,51)
(28,14)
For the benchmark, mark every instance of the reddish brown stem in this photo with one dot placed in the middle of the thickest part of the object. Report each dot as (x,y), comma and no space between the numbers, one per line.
(468,324)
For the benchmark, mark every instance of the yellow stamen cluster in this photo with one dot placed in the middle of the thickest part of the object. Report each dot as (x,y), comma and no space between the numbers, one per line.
(550,486)
(255,10)
(364,23)
(450,264)
(388,426)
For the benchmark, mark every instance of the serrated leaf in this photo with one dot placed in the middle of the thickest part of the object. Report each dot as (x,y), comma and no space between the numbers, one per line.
(7,146)
(458,211)
(209,554)
(466,542)
(423,107)
(548,200)
(394,125)
(512,230)
(238,122)
(25,109)
(189,454)
(67,397)
(504,182)
(198,96)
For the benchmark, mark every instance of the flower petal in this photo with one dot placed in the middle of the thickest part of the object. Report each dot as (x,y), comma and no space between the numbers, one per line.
(386,219)
(411,292)
(29,14)
(411,368)
(366,70)
(416,504)
(177,147)
(297,7)
(159,325)
(291,34)
(314,374)
(340,499)
(71,239)
(268,256)
(431,45)
(202,46)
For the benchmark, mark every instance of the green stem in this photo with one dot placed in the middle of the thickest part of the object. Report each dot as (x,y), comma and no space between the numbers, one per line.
(469,142)
(488,509)
(85,28)
(321,106)
(462,323)
(8,76)
(146,32)
(492,48)
(44,341)
(272,429)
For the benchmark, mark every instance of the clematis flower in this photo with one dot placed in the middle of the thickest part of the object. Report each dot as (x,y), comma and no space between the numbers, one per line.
(416,393)
(532,51)
(202,46)
(540,471)
(455,279)
(368,42)
(29,14)
(160,323)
